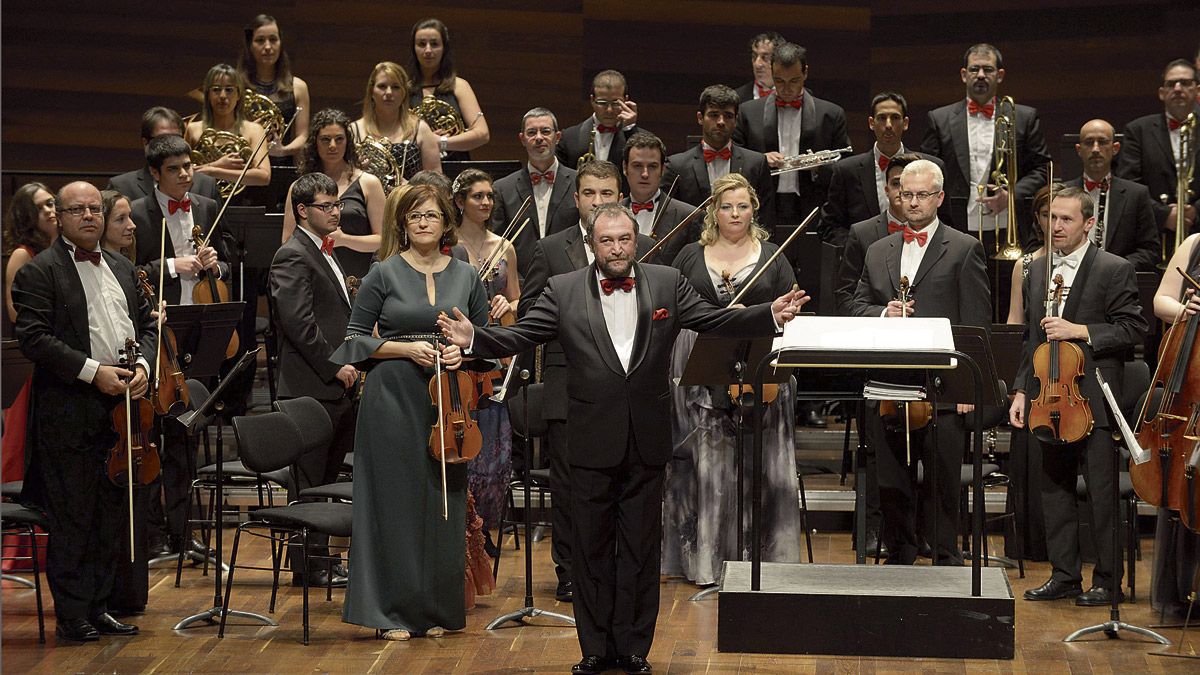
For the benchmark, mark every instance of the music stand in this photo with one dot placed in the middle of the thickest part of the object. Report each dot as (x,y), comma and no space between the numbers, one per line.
(721,362)
(256,234)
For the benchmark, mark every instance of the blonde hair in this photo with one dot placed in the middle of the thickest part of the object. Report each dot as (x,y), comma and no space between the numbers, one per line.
(728,183)
(395,211)
(368,107)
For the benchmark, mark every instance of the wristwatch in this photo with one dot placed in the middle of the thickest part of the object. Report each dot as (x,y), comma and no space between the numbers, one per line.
(442,144)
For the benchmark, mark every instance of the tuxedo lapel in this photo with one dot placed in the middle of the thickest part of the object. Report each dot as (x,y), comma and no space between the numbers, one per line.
(1162,138)
(645,309)
(595,317)
(72,288)
(866,177)
(937,249)
(958,134)
(585,135)
(317,260)
(557,194)
(892,261)
(771,124)
(1115,210)
(700,167)
(808,123)
(575,250)
(1075,296)
(145,182)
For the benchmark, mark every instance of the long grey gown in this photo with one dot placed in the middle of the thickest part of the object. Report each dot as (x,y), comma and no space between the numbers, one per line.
(406,565)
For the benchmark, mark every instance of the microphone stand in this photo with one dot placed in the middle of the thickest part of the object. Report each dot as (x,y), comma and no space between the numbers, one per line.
(528,610)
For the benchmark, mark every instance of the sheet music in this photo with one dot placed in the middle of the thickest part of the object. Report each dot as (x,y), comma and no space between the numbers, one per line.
(866,334)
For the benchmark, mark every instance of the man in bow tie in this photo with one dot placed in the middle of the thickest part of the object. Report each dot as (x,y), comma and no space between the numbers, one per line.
(617,321)
(962,135)
(657,213)
(1101,316)
(614,118)
(947,278)
(762,46)
(544,180)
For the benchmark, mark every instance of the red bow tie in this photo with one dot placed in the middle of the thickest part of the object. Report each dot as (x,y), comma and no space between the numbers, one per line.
(883,163)
(90,256)
(763,92)
(173,206)
(605,129)
(641,206)
(610,285)
(536,178)
(327,245)
(1090,185)
(974,108)
(723,153)
(911,234)
(1173,123)
(797,104)
(893,226)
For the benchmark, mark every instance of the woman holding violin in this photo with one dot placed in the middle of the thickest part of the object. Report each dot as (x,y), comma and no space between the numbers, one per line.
(700,499)
(406,573)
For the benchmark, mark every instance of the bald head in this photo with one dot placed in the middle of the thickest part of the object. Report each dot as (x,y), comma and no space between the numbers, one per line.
(85,229)
(1096,148)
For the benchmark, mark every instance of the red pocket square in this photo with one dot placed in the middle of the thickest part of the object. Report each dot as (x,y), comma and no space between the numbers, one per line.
(660,314)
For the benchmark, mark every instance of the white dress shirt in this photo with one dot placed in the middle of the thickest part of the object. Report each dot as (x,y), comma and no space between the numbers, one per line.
(645,218)
(881,176)
(108,316)
(330,261)
(718,168)
(1062,265)
(603,141)
(620,317)
(179,226)
(912,253)
(1101,218)
(789,144)
(981,138)
(541,196)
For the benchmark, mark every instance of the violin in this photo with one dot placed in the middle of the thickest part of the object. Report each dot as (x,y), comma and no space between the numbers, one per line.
(455,437)
(1059,414)
(134,458)
(165,397)
(906,416)
(212,290)
(740,393)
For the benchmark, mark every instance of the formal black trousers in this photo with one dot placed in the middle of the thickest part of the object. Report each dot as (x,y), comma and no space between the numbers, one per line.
(560,504)
(178,458)
(616,554)
(1061,466)
(321,466)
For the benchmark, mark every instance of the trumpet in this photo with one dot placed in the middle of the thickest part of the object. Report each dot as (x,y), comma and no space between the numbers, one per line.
(807,161)
(1005,173)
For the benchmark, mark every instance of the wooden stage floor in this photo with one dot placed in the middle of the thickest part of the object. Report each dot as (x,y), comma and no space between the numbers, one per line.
(685,640)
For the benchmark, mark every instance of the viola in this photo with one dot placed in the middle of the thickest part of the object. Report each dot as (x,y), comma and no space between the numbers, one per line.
(169,395)
(1060,414)
(212,290)
(906,416)
(133,459)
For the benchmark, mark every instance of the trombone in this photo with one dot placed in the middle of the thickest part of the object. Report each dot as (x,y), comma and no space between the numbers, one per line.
(1185,167)
(1005,173)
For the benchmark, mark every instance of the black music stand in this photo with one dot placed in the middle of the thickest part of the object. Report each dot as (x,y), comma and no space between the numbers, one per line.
(256,235)
(721,362)
(189,420)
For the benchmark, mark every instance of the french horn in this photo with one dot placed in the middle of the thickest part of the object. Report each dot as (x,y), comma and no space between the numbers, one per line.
(214,145)
(259,108)
(375,157)
(439,114)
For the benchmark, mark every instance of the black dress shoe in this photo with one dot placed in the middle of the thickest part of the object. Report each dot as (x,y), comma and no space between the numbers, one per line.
(320,580)
(76,630)
(1054,590)
(1098,596)
(813,419)
(591,665)
(873,546)
(565,592)
(190,545)
(106,625)
(635,664)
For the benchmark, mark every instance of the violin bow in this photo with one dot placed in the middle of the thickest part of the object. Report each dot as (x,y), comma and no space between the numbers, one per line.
(661,208)
(782,247)
(236,185)
(508,229)
(675,230)
(129,359)
(162,263)
(487,263)
(441,423)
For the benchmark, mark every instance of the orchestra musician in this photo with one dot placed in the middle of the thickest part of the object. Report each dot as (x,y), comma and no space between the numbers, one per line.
(700,496)
(617,419)
(1125,224)
(614,118)
(385,115)
(948,279)
(330,150)
(548,180)
(762,46)
(312,306)
(407,579)
(433,59)
(962,135)
(158,121)
(119,227)
(1151,147)
(1101,316)
(74,283)
(788,122)
(222,111)
(265,66)
(718,155)
(857,184)
(657,212)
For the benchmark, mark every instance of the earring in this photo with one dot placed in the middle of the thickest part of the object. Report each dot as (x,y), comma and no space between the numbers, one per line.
(403,239)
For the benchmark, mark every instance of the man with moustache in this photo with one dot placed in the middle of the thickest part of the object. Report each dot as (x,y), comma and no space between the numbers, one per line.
(617,321)
(312,305)
(545,178)
(614,117)
(76,307)
(962,135)
(1125,223)
(1151,148)
(159,121)
(1103,318)
(656,212)
(761,48)
(718,155)
(947,279)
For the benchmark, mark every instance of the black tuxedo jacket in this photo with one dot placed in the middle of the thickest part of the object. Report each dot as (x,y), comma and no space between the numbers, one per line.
(512,190)
(862,235)
(576,139)
(312,311)
(693,186)
(605,402)
(1131,232)
(138,184)
(951,281)
(1104,297)
(853,196)
(668,213)
(148,216)
(1146,157)
(745,92)
(946,138)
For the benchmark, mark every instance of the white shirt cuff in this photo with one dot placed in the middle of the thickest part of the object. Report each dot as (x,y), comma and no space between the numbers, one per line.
(471,346)
(171,268)
(88,372)
(884,312)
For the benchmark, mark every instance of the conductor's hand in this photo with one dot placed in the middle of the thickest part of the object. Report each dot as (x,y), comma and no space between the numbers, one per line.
(457,329)
(787,306)
(451,357)
(894,308)
(112,379)
(1016,412)
(347,375)
(139,384)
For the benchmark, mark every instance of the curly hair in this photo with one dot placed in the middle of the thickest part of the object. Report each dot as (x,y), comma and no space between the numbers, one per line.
(310,157)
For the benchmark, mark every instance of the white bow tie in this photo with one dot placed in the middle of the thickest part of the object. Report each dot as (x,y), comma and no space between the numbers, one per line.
(1062,260)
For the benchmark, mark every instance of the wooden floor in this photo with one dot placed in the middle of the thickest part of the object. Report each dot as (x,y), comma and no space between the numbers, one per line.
(685,641)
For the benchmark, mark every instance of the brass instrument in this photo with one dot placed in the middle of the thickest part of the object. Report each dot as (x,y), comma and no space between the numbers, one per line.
(807,161)
(375,157)
(1005,174)
(259,108)
(439,114)
(215,144)
(590,155)
(1185,166)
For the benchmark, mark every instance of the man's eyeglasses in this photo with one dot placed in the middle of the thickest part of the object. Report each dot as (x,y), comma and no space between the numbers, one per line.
(534,133)
(78,211)
(604,103)
(921,196)
(328,207)
(1182,82)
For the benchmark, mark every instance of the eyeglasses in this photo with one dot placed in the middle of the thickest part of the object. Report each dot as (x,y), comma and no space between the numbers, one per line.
(416,217)
(921,196)
(328,207)
(1182,82)
(534,133)
(78,211)
(987,70)
(603,103)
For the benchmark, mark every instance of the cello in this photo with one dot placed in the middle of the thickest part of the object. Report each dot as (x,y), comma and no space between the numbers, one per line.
(133,459)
